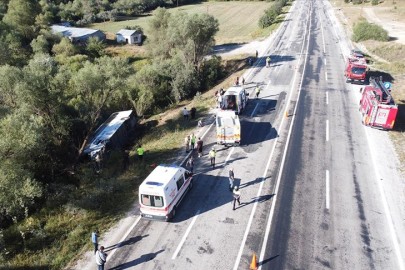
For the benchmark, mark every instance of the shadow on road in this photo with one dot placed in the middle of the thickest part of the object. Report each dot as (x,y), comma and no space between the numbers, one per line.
(130,241)
(143,258)
(267,260)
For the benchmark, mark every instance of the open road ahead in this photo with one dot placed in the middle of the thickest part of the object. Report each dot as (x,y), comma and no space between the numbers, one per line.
(318,190)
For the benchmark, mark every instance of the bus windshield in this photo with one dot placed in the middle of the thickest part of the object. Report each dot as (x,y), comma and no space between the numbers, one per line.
(151,200)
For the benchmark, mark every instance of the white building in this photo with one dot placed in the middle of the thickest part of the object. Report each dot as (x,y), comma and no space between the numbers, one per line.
(78,35)
(129,36)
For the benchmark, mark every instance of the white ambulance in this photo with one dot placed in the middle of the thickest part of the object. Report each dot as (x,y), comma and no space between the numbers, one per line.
(162,191)
(235,99)
(228,128)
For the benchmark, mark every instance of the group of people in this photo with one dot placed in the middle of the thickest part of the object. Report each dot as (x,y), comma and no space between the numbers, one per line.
(186,113)
(101,256)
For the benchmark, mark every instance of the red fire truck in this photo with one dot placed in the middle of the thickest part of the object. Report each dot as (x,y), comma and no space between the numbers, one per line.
(355,70)
(377,105)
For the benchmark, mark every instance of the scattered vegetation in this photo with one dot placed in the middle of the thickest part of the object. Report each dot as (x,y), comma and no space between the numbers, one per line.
(270,15)
(364,30)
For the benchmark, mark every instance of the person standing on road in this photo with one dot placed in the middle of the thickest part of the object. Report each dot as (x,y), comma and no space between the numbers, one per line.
(268,59)
(185,114)
(101,258)
(199,147)
(190,163)
(257,92)
(140,152)
(212,154)
(257,54)
(187,143)
(94,240)
(231,179)
(243,81)
(192,141)
(236,196)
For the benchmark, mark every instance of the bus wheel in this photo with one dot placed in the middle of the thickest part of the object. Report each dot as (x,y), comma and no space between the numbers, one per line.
(190,186)
(174,212)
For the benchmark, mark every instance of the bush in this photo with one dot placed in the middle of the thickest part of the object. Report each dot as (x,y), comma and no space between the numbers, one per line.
(374,2)
(268,18)
(365,31)
(211,71)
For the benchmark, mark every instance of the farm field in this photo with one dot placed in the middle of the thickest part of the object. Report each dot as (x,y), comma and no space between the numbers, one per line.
(238,21)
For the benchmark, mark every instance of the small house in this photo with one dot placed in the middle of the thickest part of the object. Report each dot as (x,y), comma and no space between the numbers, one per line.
(129,36)
(78,35)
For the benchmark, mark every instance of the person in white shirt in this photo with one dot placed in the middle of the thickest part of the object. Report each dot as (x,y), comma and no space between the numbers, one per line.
(101,258)
(185,114)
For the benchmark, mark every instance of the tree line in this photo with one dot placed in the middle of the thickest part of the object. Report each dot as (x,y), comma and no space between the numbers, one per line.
(54,94)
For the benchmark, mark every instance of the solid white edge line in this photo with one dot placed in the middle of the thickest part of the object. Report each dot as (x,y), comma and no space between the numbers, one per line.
(325,61)
(385,204)
(323,37)
(185,236)
(326,75)
(227,158)
(266,235)
(327,130)
(254,110)
(327,189)
(123,238)
(237,261)
(327,98)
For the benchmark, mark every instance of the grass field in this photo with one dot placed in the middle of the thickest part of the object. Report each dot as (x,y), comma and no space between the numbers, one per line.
(237,20)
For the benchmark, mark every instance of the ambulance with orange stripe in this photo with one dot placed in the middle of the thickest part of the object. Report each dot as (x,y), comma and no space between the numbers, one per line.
(228,128)
(162,191)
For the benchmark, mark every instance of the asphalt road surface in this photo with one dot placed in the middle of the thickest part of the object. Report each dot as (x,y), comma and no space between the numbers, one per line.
(311,198)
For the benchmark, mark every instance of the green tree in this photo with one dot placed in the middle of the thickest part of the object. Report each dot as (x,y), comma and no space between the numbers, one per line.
(43,90)
(40,45)
(95,48)
(64,49)
(20,146)
(3,8)
(21,15)
(10,77)
(94,87)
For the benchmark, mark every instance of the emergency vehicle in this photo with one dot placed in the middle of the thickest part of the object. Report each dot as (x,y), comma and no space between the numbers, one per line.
(228,128)
(355,70)
(162,191)
(235,99)
(377,105)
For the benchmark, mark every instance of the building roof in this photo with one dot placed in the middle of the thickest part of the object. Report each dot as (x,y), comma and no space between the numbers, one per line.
(125,32)
(106,131)
(72,31)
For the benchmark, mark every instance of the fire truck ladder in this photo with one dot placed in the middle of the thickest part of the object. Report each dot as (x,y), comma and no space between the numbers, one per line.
(386,95)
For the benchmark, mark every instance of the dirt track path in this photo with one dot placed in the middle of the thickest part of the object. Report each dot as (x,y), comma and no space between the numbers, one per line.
(395,29)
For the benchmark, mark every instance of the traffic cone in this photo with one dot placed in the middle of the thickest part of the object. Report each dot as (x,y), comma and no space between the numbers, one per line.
(253,265)
(286,114)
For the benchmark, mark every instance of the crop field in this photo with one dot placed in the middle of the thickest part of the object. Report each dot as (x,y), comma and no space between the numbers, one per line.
(238,21)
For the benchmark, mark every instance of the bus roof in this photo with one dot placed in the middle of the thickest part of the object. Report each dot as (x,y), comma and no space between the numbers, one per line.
(106,131)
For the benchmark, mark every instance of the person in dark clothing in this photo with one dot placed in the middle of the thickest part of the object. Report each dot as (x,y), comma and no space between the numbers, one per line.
(199,147)
(190,163)
(231,179)
(193,111)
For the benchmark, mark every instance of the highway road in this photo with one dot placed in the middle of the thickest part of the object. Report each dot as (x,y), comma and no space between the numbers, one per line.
(311,193)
